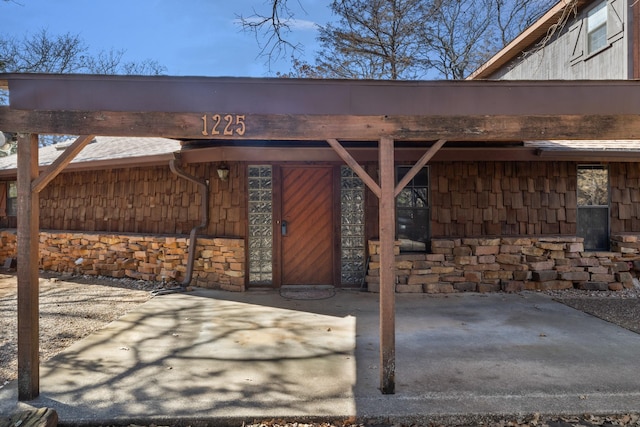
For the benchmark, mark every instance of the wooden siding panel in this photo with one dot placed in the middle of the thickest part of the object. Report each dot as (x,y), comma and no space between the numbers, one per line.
(514,198)
(625,194)
(565,57)
(143,200)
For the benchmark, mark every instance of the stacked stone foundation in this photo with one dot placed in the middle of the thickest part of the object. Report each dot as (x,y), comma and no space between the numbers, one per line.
(511,264)
(219,262)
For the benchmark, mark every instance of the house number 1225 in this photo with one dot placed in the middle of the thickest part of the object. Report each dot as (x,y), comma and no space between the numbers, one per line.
(225,125)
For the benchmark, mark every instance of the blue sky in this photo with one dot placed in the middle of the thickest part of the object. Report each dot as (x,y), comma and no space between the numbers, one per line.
(189,37)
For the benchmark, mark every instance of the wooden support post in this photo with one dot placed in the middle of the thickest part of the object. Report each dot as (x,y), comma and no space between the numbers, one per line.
(419,165)
(60,163)
(28,287)
(386,192)
(353,164)
(387,267)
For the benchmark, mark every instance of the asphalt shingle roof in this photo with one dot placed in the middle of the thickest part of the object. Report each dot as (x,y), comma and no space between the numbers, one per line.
(104,148)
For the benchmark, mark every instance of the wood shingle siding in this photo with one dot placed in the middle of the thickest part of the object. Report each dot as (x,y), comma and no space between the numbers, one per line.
(143,200)
(500,199)
(624,183)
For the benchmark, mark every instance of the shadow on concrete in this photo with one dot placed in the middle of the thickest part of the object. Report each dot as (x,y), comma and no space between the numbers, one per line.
(210,356)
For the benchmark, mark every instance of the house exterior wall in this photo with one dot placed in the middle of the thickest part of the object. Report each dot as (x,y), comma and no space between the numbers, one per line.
(219,263)
(135,222)
(512,264)
(565,56)
(143,200)
(624,183)
(503,199)
(97,211)
(471,199)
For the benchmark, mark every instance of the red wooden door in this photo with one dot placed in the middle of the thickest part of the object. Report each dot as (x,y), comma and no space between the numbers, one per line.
(307,231)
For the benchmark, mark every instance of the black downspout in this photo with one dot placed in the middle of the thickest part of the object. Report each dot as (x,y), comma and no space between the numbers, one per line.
(204,189)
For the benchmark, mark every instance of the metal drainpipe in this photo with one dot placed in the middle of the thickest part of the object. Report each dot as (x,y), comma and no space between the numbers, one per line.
(204,188)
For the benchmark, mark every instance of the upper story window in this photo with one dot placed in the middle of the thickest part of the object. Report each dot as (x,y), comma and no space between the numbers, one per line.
(597,28)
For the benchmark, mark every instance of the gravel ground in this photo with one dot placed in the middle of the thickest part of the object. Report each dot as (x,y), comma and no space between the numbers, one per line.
(71,310)
(621,307)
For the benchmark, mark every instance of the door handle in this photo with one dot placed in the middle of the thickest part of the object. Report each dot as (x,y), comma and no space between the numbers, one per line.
(283,228)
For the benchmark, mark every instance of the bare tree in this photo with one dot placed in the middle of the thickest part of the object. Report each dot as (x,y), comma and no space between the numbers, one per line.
(374,39)
(43,52)
(511,17)
(272,30)
(593,186)
(456,33)
(111,62)
(401,39)
(67,53)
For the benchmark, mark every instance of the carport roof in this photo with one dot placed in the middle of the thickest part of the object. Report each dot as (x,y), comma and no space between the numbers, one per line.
(317,110)
(313,96)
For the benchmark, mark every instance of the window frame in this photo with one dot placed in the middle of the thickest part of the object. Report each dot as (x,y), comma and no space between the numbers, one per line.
(594,207)
(614,25)
(600,7)
(426,210)
(12,201)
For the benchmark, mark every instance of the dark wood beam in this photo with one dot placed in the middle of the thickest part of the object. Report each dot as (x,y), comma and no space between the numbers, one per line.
(635,40)
(402,155)
(302,154)
(418,166)
(353,164)
(322,127)
(28,286)
(218,96)
(60,163)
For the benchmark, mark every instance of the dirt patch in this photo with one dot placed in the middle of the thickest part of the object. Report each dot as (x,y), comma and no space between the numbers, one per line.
(70,309)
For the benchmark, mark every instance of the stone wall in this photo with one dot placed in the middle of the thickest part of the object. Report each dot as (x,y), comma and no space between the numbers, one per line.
(219,262)
(512,264)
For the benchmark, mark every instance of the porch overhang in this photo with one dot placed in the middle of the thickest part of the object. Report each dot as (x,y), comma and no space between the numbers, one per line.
(305,110)
(292,110)
(478,152)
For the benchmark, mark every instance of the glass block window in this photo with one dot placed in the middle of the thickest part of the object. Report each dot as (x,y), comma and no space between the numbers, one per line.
(352,227)
(260,225)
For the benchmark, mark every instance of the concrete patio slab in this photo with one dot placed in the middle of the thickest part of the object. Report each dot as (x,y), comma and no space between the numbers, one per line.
(219,357)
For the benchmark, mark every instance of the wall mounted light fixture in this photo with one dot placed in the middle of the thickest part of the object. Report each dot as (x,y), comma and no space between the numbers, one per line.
(223,171)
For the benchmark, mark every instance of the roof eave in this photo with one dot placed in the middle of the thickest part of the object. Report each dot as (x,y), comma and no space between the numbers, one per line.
(527,38)
(117,163)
